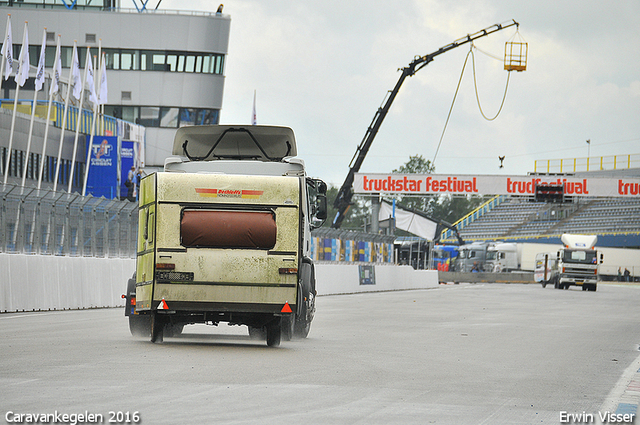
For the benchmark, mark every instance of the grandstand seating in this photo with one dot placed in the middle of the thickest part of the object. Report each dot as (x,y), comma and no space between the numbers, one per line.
(520,218)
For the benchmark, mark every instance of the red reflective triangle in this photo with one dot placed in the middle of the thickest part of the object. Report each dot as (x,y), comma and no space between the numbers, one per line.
(163,305)
(286,308)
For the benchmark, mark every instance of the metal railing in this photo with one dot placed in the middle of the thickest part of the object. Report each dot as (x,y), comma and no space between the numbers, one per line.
(44,222)
(573,165)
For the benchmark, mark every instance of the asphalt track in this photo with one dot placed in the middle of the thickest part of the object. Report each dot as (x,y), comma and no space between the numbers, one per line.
(456,354)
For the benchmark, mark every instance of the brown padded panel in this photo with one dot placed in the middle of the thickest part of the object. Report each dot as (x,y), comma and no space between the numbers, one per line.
(228,229)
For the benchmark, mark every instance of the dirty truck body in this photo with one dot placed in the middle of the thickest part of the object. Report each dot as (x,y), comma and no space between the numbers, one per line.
(224,236)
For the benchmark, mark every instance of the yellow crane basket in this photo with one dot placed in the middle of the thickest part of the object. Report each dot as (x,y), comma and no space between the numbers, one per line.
(515,56)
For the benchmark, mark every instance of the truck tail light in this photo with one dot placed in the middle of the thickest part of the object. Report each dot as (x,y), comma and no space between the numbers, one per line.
(288,270)
(165,266)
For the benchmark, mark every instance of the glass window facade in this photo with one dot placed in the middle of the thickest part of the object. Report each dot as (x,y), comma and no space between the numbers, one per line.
(132,59)
(165,117)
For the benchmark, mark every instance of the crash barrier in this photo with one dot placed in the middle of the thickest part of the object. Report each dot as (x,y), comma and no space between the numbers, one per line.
(483,277)
(351,246)
(334,278)
(49,282)
(44,222)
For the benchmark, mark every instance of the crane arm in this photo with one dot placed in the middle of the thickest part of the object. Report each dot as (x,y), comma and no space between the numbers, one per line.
(345,194)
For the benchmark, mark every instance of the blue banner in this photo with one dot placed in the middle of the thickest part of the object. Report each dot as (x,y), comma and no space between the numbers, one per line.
(127,161)
(103,167)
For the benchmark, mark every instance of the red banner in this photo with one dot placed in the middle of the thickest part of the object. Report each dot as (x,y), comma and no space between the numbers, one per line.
(426,184)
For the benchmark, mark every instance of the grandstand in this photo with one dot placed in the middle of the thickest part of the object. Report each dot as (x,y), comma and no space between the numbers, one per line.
(616,221)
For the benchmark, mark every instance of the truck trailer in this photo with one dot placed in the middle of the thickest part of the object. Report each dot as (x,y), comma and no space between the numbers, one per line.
(224,235)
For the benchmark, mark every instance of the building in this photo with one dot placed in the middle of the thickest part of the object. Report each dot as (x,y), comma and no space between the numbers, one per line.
(165,68)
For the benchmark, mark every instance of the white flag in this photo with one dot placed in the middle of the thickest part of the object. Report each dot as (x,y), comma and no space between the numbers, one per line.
(57,71)
(76,80)
(22,70)
(41,63)
(90,81)
(7,51)
(102,95)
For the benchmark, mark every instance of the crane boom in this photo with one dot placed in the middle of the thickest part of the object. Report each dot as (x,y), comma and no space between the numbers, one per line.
(345,194)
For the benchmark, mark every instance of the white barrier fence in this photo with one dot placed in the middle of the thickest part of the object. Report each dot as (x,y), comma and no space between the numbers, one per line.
(46,282)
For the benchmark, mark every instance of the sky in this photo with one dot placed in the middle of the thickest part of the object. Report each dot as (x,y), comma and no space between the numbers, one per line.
(324,67)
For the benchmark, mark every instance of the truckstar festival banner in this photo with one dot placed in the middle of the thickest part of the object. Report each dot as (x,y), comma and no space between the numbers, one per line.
(428,184)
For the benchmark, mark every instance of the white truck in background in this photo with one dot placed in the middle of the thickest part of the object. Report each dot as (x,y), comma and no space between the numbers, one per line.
(502,257)
(574,264)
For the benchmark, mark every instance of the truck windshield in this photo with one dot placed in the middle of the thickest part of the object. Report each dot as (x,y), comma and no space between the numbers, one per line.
(439,254)
(491,255)
(579,256)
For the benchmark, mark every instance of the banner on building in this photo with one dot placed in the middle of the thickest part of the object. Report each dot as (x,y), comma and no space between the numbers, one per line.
(435,184)
(103,169)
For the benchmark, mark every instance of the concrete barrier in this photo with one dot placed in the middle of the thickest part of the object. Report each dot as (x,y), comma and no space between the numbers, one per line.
(482,277)
(46,282)
(337,278)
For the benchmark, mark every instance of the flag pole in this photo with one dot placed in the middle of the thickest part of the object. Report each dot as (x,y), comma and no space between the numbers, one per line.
(55,78)
(78,121)
(25,39)
(5,46)
(93,127)
(64,117)
(39,81)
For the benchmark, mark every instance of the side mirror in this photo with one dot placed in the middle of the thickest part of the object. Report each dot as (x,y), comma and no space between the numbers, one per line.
(321,207)
(601,258)
(321,200)
(318,201)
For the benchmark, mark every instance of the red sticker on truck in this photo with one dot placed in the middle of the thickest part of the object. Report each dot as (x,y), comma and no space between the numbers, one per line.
(229,193)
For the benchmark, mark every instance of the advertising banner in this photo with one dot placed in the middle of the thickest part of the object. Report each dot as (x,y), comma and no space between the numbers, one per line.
(127,160)
(103,175)
(460,184)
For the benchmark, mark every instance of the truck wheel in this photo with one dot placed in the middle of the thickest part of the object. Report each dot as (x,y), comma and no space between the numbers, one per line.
(257,333)
(157,328)
(140,325)
(306,300)
(172,330)
(302,325)
(274,332)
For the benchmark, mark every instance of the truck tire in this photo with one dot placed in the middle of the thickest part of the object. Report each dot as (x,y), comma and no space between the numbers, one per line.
(257,333)
(173,330)
(274,332)
(306,301)
(140,325)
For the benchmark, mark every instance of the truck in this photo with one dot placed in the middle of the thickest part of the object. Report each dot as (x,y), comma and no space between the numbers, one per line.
(502,257)
(444,257)
(471,257)
(224,235)
(575,264)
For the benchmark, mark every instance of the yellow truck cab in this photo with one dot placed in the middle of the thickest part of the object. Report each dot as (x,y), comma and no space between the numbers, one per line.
(224,236)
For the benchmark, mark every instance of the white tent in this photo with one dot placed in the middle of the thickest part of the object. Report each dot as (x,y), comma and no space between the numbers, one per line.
(409,221)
